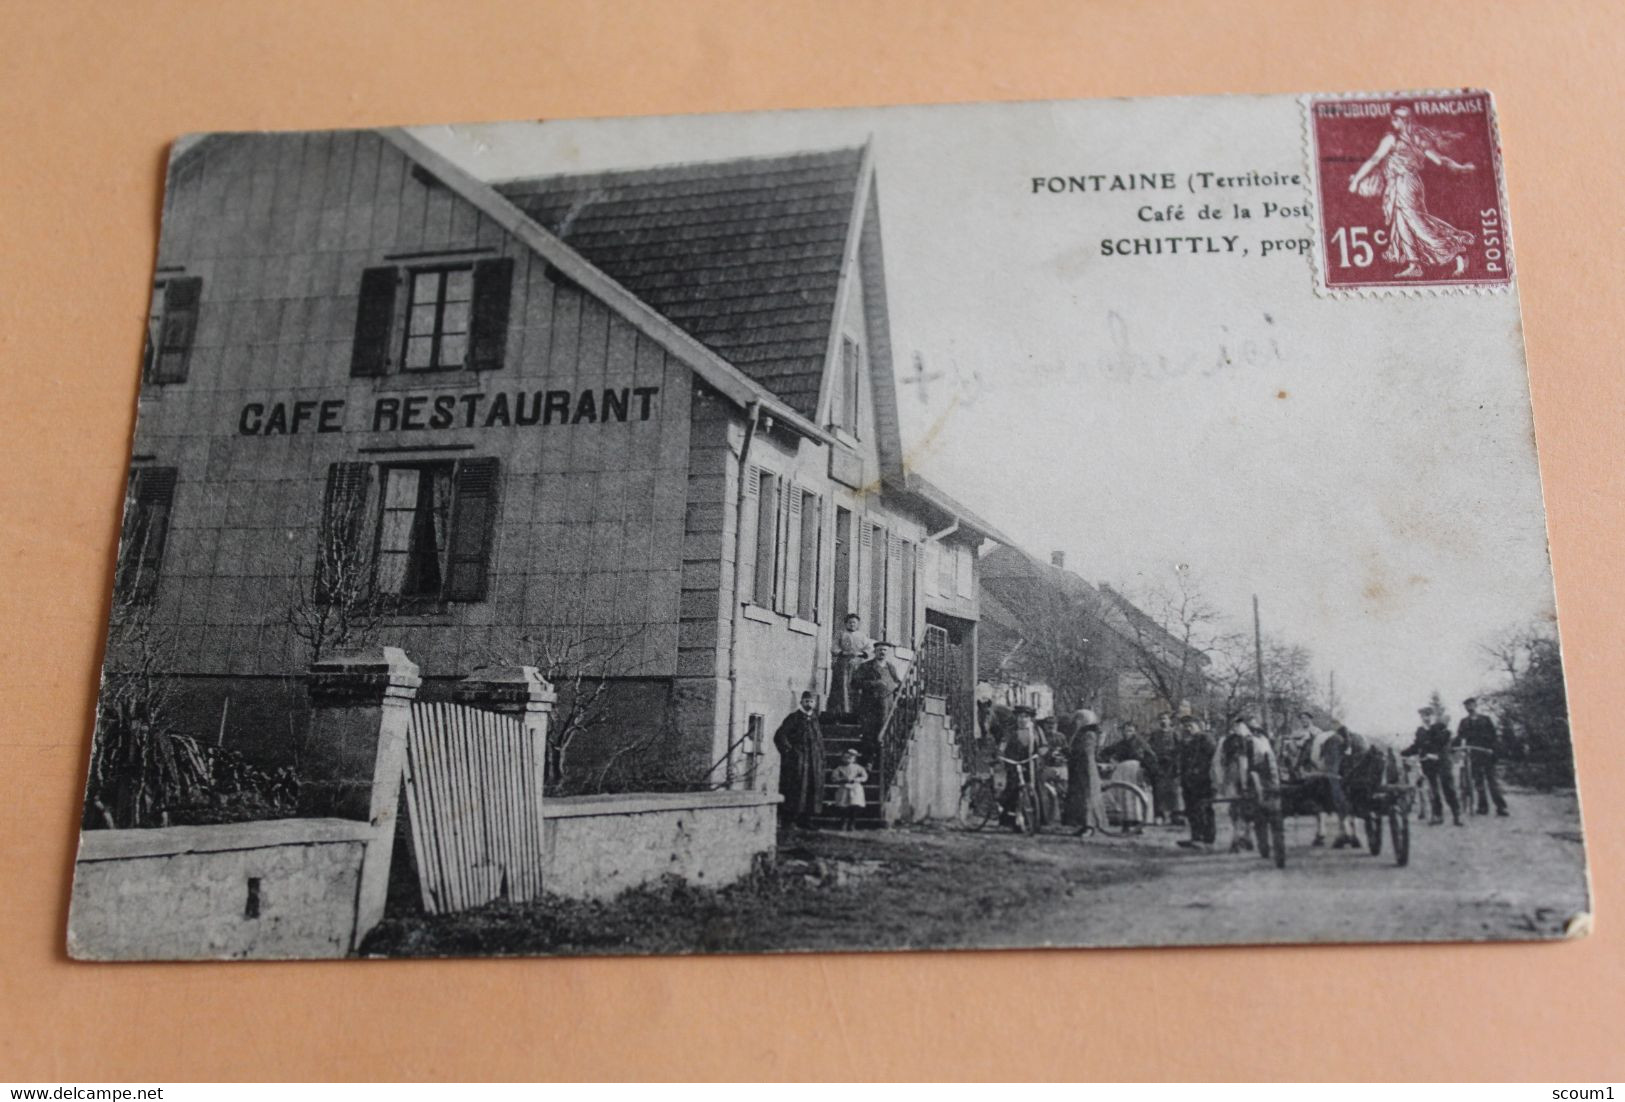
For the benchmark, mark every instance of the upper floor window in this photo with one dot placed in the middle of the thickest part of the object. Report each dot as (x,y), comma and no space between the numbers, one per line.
(789,542)
(147,503)
(448,317)
(437,318)
(171,329)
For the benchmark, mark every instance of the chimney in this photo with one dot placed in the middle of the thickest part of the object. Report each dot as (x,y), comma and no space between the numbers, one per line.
(1057,559)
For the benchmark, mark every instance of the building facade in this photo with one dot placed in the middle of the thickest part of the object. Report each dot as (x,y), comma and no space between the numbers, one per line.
(637,429)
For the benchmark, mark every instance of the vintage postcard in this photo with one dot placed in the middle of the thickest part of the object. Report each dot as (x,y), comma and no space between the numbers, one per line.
(1049,524)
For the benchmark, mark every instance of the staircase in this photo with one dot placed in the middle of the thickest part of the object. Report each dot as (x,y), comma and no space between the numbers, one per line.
(842,733)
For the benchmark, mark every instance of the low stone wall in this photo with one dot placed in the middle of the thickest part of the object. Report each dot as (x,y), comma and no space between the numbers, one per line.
(280,888)
(596,847)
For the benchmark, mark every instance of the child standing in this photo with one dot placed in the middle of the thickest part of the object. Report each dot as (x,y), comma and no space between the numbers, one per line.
(849,777)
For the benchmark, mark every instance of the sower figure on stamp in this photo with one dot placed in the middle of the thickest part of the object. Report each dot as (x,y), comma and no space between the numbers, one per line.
(800,743)
(850,649)
(1477,732)
(876,683)
(1196,749)
(1394,171)
(1431,746)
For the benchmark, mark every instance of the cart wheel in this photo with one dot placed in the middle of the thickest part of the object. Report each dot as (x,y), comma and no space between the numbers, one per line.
(1278,837)
(980,803)
(1133,807)
(1401,825)
(1032,815)
(1373,834)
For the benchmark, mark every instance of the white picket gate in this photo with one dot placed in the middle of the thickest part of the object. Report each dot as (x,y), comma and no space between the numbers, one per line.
(474,801)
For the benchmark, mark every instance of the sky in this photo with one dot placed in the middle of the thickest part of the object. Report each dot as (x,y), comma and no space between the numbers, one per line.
(1365,466)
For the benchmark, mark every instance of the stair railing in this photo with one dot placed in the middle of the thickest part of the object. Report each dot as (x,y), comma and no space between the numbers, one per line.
(897,728)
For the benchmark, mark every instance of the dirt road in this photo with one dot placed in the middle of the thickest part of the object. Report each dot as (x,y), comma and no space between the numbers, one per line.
(939,887)
(1521,877)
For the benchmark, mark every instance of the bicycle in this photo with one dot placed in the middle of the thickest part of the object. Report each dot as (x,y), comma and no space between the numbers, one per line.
(982,797)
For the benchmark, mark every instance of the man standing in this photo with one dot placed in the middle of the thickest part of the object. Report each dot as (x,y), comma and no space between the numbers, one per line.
(1196,781)
(1477,732)
(1165,790)
(876,683)
(800,743)
(1298,746)
(849,648)
(1431,746)
(1241,754)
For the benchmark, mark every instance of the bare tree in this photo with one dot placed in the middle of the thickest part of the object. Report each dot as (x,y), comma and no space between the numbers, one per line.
(579,664)
(1065,643)
(1532,699)
(1170,636)
(333,603)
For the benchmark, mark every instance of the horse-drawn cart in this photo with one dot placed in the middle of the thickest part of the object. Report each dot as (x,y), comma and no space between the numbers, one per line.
(1372,791)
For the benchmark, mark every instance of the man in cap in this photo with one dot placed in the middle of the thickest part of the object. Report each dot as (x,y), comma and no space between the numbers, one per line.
(1477,732)
(1431,746)
(1196,748)
(876,683)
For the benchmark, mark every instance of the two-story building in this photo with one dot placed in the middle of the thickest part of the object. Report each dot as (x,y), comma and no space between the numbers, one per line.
(637,427)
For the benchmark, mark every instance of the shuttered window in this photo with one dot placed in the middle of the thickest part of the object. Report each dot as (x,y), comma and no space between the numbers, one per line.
(340,555)
(435,529)
(789,592)
(171,329)
(148,499)
(851,384)
(456,316)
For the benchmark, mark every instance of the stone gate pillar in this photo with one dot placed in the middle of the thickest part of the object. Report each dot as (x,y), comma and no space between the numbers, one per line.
(355,756)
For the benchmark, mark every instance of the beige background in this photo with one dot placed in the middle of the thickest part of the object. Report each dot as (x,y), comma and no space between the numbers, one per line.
(91,93)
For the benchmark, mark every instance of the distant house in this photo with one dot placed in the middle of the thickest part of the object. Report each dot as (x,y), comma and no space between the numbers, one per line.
(1054,640)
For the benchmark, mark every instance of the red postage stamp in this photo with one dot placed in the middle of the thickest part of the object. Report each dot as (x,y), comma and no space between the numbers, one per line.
(1409,191)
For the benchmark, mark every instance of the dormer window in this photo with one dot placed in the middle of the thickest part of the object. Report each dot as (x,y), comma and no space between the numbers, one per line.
(851,385)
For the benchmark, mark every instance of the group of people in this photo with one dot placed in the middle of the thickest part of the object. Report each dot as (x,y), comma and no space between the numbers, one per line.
(800,743)
(864,683)
(1435,748)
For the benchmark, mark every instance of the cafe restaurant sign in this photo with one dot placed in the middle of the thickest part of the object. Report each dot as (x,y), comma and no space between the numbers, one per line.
(473,409)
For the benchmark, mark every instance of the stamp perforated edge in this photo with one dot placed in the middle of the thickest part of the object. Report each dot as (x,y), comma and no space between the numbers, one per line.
(1317,255)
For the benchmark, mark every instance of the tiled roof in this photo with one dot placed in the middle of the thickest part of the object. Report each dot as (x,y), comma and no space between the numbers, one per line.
(744,255)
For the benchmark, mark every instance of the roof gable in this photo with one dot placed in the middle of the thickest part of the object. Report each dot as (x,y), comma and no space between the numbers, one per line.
(745,255)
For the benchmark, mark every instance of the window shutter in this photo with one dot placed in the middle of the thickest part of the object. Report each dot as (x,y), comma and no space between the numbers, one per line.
(767,516)
(905,587)
(178,329)
(894,605)
(374,322)
(488,328)
(472,523)
(339,550)
(812,551)
(966,564)
(790,600)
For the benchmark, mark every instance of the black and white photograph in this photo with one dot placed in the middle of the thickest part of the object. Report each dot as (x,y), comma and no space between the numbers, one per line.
(1068,524)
